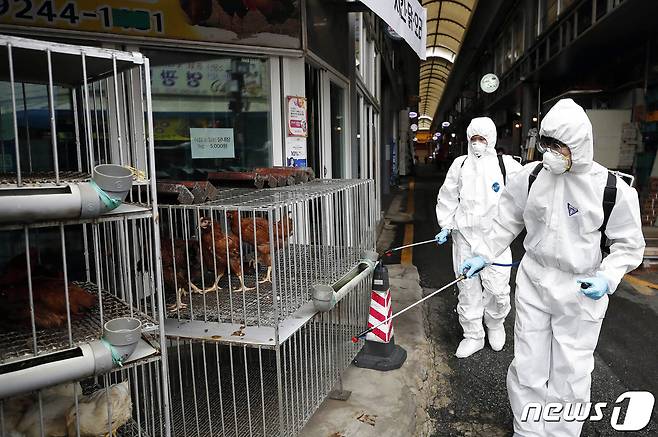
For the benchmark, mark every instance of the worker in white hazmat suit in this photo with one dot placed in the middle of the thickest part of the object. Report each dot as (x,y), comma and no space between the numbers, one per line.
(466,206)
(563,282)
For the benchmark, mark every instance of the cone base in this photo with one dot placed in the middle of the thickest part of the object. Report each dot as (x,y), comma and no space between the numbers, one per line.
(380,356)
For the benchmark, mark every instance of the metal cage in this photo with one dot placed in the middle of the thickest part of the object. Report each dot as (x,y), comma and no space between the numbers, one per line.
(71,109)
(249,356)
(252,256)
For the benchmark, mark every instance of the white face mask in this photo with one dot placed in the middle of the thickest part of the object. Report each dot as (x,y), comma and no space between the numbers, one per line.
(556,163)
(478,148)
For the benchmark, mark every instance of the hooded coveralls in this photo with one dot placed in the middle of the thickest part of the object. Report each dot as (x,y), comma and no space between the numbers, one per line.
(557,327)
(466,204)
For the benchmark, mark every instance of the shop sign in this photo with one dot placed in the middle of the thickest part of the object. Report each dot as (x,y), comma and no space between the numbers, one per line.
(225,21)
(297,123)
(212,143)
(407,18)
(296,152)
(209,78)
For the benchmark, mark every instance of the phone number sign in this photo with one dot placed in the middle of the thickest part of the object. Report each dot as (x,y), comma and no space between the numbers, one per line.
(84,15)
(171,19)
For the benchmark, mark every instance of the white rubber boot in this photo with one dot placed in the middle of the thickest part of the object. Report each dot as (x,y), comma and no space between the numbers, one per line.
(496,338)
(468,347)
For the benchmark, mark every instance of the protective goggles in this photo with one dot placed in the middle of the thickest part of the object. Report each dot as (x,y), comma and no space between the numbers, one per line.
(549,143)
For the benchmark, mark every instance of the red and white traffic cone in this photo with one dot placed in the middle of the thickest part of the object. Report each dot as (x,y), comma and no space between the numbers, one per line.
(380,351)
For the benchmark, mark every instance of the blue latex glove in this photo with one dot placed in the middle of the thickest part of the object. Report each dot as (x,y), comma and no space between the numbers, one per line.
(442,236)
(594,288)
(472,266)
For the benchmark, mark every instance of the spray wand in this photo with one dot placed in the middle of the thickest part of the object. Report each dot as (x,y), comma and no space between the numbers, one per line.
(460,278)
(389,252)
(356,338)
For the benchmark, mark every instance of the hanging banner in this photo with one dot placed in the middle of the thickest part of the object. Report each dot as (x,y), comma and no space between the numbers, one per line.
(407,19)
(297,124)
(272,24)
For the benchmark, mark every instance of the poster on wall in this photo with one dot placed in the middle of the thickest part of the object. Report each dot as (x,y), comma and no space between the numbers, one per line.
(297,124)
(272,23)
(212,143)
(296,152)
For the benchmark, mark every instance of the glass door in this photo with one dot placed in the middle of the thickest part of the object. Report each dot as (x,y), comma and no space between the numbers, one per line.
(335,127)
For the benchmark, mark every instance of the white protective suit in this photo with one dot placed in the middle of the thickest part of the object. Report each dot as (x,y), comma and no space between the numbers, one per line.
(467,204)
(557,326)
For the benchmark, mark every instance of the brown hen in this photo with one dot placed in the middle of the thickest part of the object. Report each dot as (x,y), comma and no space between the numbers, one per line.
(220,250)
(177,255)
(49,303)
(257,230)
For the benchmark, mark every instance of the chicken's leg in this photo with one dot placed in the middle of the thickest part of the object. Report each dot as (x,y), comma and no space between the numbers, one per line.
(196,289)
(179,305)
(215,285)
(242,286)
(268,276)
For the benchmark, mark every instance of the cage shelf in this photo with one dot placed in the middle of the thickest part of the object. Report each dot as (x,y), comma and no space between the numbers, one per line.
(38,179)
(235,333)
(16,345)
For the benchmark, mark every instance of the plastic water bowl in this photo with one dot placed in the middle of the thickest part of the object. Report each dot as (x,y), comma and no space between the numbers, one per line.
(115,180)
(123,334)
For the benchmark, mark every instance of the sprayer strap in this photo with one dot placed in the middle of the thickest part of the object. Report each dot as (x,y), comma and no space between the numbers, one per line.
(116,357)
(110,202)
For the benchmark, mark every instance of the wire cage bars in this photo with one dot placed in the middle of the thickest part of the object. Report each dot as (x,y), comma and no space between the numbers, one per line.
(233,389)
(252,256)
(248,353)
(72,261)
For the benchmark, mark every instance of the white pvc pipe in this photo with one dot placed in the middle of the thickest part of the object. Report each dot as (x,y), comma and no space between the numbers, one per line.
(68,201)
(48,370)
(325,297)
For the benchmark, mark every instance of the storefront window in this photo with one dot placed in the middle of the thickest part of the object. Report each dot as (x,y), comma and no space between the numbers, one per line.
(517,28)
(210,115)
(34,128)
(357,41)
(337,103)
(549,13)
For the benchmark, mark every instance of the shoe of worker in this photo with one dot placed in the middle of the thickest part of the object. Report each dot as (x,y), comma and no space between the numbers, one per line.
(496,338)
(468,347)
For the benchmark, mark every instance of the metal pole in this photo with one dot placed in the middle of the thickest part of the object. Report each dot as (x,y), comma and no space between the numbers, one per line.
(19,178)
(158,255)
(53,128)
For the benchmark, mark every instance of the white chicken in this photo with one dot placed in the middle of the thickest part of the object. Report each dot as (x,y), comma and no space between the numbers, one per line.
(12,413)
(93,411)
(55,402)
